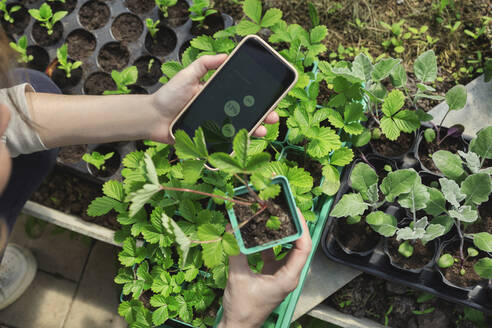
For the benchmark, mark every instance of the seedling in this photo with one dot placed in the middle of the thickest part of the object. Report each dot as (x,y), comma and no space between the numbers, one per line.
(21,48)
(386,315)
(149,65)
(200,10)
(152,26)
(395,41)
(45,15)
(273,223)
(163,6)
(97,159)
(479,31)
(344,303)
(453,28)
(123,79)
(7,13)
(65,64)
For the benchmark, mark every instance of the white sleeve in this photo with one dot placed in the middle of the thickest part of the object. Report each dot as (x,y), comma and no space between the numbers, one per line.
(21,138)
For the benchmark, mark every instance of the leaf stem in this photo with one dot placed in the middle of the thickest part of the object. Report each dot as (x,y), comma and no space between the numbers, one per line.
(206,194)
(251,191)
(263,208)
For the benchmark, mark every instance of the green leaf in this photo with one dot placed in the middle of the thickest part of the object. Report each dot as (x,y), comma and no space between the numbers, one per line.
(393,102)
(318,33)
(225,163)
(102,205)
(331,181)
(187,149)
(451,192)
(437,203)
(382,223)
(270,192)
(192,171)
(207,232)
(246,27)
(483,267)
(398,76)
(398,182)
(416,199)
(58,16)
(203,42)
(449,164)
(362,63)
(456,97)
(405,249)
(482,144)
(349,205)
(171,68)
(213,254)
(341,156)
(389,128)
(464,214)
(446,221)
(483,241)
(257,162)
(150,170)
(445,261)
(425,67)
(141,197)
(323,141)
(362,177)
(432,232)
(477,188)
(407,121)
(383,68)
(273,223)
(229,244)
(271,17)
(240,147)
(160,315)
(252,9)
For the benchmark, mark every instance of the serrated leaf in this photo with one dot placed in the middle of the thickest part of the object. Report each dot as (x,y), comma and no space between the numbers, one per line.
(456,97)
(389,128)
(102,205)
(252,9)
(393,102)
(188,149)
(203,42)
(246,27)
(213,254)
(341,156)
(150,170)
(407,121)
(323,141)
(425,67)
(270,192)
(318,33)
(349,205)
(229,244)
(240,147)
(208,232)
(139,198)
(257,162)
(271,17)
(160,315)
(383,68)
(331,182)
(225,162)
(192,171)
(448,163)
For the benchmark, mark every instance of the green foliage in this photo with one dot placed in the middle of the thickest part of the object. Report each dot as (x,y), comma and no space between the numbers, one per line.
(123,79)
(21,48)
(273,223)
(7,13)
(153,26)
(253,10)
(64,63)
(97,159)
(46,17)
(199,10)
(164,5)
(405,249)
(429,135)
(445,261)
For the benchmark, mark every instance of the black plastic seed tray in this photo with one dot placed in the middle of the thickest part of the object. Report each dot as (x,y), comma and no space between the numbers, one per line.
(101,36)
(378,263)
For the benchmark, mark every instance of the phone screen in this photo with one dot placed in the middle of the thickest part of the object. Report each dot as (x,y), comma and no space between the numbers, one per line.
(239,95)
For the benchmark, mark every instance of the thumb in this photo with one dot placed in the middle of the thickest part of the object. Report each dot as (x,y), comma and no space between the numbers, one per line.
(202,65)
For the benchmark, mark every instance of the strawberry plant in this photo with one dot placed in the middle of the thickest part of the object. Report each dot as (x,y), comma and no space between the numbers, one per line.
(21,48)
(123,79)
(199,10)
(46,17)
(253,10)
(7,13)
(163,5)
(97,159)
(65,64)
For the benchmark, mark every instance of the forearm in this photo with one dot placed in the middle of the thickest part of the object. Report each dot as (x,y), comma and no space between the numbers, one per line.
(69,120)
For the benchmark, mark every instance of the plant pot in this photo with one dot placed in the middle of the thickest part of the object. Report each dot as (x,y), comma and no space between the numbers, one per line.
(423,149)
(377,162)
(288,198)
(415,268)
(394,150)
(447,274)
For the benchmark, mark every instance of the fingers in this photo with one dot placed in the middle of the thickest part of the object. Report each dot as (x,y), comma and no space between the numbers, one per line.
(202,65)
(270,264)
(238,264)
(260,132)
(272,118)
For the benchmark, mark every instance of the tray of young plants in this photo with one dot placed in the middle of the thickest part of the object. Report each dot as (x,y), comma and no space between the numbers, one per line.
(414,207)
(106,47)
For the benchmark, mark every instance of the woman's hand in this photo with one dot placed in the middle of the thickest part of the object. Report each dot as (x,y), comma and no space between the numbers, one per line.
(175,94)
(249,298)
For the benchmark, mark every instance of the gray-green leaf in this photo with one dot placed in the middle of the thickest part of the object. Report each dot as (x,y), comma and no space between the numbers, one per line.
(456,97)
(425,67)
(449,164)
(349,205)
(477,188)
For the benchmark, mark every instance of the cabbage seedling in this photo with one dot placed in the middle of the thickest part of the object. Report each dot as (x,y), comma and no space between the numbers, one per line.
(200,10)
(21,48)
(46,16)
(123,79)
(65,63)
(163,5)
(7,13)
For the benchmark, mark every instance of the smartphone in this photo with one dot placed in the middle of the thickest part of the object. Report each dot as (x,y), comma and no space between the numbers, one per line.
(239,95)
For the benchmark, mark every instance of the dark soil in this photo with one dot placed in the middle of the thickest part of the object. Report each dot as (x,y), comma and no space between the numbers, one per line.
(148,76)
(137,90)
(177,14)
(127,28)
(324,93)
(81,44)
(358,237)
(41,58)
(69,194)
(110,166)
(313,167)
(97,83)
(255,232)
(230,8)
(140,6)
(72,154)
(371,297)
(421,256)
(94,15)
(60,78)
(41,36)
(211,25)
(484,223)
(183,48)
(425,149)
(164,42)
(21,20)
(113,56)
(453,275)
(384,146)
(282,129)
(69,6)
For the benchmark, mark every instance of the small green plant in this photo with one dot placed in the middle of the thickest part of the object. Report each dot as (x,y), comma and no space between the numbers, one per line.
(150,64)
(253,10)
(21,48)
(163,5)
(65,64)
(396,38)
(479,31)
(7,13)
(152,26)
(386,315)
(453,28)
(123,79)
(97,159)
(273,223)
(344,303)
(46,16)
(200,10)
